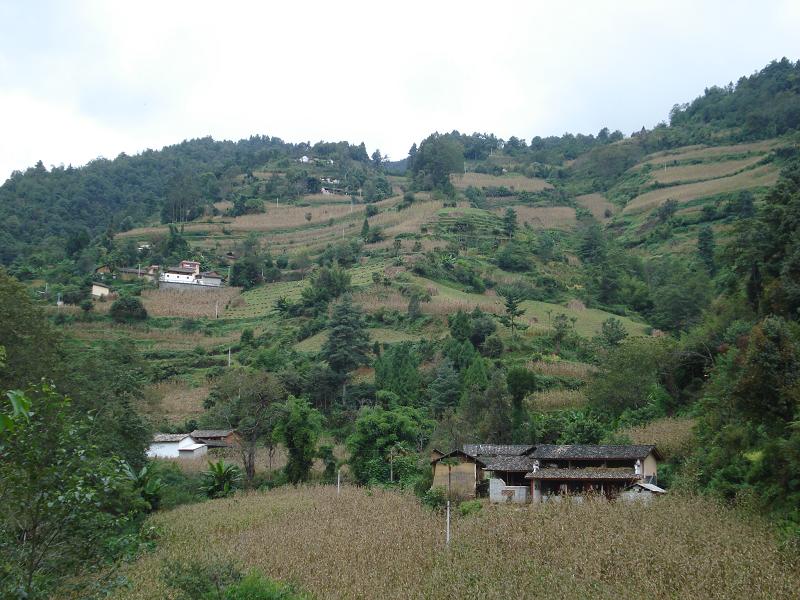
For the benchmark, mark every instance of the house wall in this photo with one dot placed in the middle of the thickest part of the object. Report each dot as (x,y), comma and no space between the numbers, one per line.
(201,451)
(168,449)
(650,468)
(501,493)
(99,291)
(463,478)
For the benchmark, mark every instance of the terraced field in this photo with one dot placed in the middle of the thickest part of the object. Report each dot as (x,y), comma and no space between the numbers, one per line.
(702,171)
(597,204)
(752,178)
(518,183)
(545,217)
(378,334)
(259,301)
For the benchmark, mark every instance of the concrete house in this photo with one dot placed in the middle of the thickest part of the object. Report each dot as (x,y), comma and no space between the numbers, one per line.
(100,290)
(520,473)
(175,445)
(187,276)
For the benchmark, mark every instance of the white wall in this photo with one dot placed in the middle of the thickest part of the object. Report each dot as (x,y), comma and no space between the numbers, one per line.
(502,493)
(169,449)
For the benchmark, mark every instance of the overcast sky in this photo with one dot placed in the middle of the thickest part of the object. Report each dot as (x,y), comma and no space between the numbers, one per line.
(82,79)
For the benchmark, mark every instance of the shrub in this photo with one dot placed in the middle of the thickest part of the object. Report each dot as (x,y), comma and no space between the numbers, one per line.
(128,309)
(257,587)
(221,479)
(201,581)
(435,498)
(470,507)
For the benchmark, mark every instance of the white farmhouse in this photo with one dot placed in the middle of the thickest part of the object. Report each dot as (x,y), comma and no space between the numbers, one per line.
(175,445)
(100,290)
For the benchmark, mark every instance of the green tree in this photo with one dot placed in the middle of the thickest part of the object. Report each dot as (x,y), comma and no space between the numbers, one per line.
(347,345)
(327,283)
(127,310)
(248,402)
(396,370)
(299,427)
(563,327)
(445,389)
(221,479)
(612,332)
(510,222)
(460,326)
(63,502)
(513,311)
(436,158)
(377,431)
(705,248)
(365,230)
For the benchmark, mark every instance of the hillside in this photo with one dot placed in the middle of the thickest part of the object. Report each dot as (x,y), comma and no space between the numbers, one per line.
(576,290)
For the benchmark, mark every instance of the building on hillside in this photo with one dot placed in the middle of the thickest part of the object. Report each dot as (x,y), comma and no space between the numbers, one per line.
(187,275)
(520,473)
(102,270)
(175,445)
(217,438)
(101,290)
(642,492)
(457,472)
(148,273)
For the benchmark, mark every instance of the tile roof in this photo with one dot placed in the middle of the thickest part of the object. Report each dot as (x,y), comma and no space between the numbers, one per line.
(211,433)
(521,464)
(586,451)
(461,454)
(497,449)
(584,474)
(179,270)
(170,437)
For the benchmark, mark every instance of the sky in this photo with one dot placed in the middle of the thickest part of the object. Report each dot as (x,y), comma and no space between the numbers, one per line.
(87,78)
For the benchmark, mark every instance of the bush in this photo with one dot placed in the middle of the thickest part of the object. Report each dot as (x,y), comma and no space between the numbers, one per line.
(128,309)
(470,507)
(257,587)
(435,498)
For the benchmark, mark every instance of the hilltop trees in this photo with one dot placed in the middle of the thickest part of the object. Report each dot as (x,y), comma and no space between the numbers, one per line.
(436,158)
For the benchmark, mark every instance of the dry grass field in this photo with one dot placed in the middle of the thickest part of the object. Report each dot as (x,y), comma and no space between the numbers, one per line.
(702,171)
(597,205)
(562,368)
(194,303)
(164,339)
(173,401)
(758,177)
(545,217)
(518,183)
(382,544)
(709,152)
(556,399)
(377,334)
(674,436)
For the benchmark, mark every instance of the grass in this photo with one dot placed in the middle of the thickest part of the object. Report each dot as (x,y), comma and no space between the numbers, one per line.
(545,217)
(163,339)
(760,176)
(588,323)
(674,436)
(709,152)
(597,205)
(193,303)
(702,171)
(377,334)
(518,183)
(370,543)
(173,401)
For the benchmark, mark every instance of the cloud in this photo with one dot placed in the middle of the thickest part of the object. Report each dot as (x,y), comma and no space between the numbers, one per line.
(108,77)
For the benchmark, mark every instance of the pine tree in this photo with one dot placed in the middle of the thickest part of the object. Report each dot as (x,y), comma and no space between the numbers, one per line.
(444,390)
(513,311)
(705,248)
(365,230)
(510,222)
(348,343)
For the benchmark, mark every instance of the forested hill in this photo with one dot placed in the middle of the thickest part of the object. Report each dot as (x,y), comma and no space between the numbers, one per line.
(41,209)
(42,212)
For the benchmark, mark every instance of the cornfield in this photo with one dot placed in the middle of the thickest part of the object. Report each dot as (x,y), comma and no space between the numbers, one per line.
(189,303)
(383,544)
(674,436)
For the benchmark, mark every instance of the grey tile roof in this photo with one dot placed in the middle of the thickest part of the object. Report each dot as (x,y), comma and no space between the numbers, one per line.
(497,449)
(460,453)
(211,433)
(169,437)
(584,474)
(520,464)
(588,452)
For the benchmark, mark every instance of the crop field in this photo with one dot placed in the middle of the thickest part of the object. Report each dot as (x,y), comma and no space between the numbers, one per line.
(518,183)
(545,217)
(597,205)
(261,300)
(194,303)
(588,323)
(173,401)
(702,171)
(710,152)
(562,368)
(372,543)
(760,176)
(673,435)
(556,399)
(147,337)
(377,334)
(327,199)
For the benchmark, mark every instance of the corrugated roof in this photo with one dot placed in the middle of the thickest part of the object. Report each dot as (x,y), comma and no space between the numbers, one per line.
(191,448)
(652,487)
(496,449)
(584,474)
(586,451)
(211,433)
(521,464)
(169,437)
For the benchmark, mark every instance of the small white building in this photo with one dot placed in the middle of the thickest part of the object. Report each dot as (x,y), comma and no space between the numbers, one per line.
(100,290)
(175,445)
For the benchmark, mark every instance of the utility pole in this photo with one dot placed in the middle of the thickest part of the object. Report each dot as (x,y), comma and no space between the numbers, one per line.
(216,310)
(338,481)
(229,358)
(447,530)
